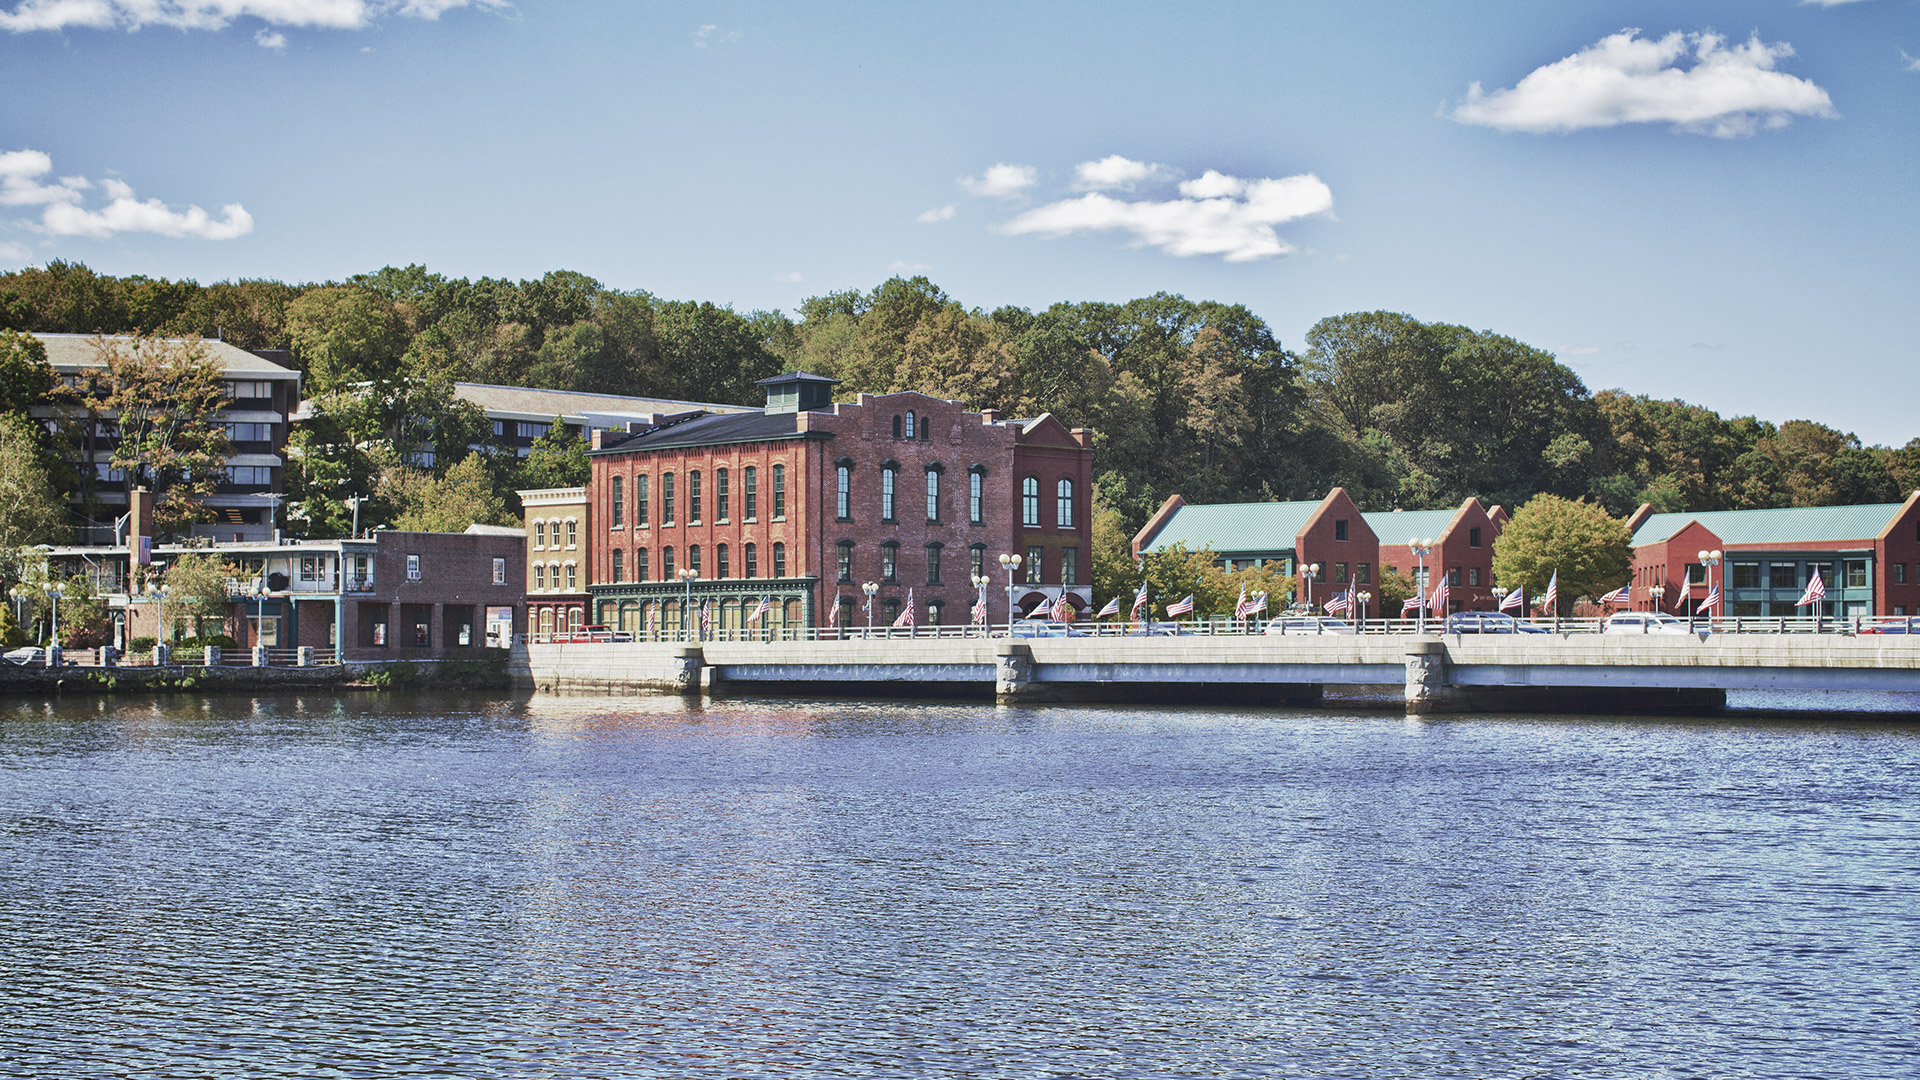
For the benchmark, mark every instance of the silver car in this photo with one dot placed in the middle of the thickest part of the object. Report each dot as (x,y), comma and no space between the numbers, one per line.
(1309,624)
(1644,622)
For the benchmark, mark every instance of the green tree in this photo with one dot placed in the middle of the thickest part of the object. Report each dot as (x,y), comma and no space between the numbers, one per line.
(557,459)
(31,512)
(464,496)
(85,622)
(197,591)
(1393,590)
(167,397)
(1588,548)
(345,335)
(25,376)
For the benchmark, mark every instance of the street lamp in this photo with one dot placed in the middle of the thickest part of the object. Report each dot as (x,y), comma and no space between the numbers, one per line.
(1708,560)
(1656,591)
(1309,571)
(870,588)
(1361,599)
(980,581)
(686,574)
(157,594)
(54,591)
(1421,549)
(1012,563)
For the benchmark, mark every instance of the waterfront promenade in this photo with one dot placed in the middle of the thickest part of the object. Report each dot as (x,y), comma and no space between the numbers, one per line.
(1436,674)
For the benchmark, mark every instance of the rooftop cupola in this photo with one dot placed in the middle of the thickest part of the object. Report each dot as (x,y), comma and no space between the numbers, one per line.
(798,391)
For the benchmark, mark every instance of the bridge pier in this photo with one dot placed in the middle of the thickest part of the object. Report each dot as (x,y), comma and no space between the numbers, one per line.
(1431,690)
(1013,681)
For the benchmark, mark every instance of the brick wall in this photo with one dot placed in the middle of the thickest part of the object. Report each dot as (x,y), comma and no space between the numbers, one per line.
(456,572)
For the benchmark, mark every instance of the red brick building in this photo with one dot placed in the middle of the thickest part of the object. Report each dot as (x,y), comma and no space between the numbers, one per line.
(802,503)
(1330,533)
(1462,546)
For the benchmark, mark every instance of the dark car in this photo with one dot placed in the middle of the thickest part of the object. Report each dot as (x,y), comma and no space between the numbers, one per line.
(1489,622)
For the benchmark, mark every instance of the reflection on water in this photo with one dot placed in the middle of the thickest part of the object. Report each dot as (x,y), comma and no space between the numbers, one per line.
(380,885)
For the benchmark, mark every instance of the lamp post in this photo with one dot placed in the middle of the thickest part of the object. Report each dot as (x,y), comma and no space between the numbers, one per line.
(1421,548)
(1499,594)
(1656,591)
(1361,599)
(1309,571)
(980,580)
(1708,560)
(870,588)
(158,595)
(54,591)
(1011,563)
(686,574)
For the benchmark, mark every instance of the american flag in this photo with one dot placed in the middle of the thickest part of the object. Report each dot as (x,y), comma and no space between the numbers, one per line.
(1515,600)
(1112,608)
(1062,609)
(1816,591)
(1686,589)
(1041,610)
(1414,603)
(906,616)
(1240,605)
(1621,595)
(1139,601)
(1713,597)
(1553,591)
(1184,607)
(1438,601)
(833,611)
(706,618)
(1340,603)
(765,605)
(1258,604)
(980,611)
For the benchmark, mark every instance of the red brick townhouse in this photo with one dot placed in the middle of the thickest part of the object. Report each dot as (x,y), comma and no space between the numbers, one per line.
(1330,532)
(1868,558)
(1460,542)
(805,501)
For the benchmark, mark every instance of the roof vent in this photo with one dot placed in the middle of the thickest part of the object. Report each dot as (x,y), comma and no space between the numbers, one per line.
(798,391)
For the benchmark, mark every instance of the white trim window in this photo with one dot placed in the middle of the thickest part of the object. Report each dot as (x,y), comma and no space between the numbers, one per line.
(413,568)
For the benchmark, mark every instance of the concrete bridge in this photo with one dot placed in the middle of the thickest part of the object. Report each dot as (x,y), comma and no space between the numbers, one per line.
(1437,675)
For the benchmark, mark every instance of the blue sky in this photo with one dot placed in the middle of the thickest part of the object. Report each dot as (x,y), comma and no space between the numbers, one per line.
(1720,207)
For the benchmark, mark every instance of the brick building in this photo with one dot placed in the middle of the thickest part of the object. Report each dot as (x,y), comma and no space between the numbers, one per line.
(1330,532)
(1868,558)
(559,544)
(801,503)
(1462,545)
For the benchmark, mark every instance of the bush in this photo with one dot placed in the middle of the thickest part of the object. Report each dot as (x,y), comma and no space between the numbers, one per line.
(140,644)
(221,641)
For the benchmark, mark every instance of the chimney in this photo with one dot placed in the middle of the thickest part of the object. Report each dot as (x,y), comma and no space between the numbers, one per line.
(989,416)
(139,532)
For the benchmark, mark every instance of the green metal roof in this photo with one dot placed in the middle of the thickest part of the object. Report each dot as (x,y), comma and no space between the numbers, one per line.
(1401,527)
(1236,528)
(1800,524)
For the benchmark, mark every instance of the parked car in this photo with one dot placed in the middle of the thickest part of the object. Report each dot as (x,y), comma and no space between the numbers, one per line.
(1489,622)
(26,656)
(1899,624)
(1033,628)
(1644,622)
(1309,624)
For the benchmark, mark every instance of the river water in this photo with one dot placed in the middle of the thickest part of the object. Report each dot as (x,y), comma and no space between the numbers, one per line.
(451,885)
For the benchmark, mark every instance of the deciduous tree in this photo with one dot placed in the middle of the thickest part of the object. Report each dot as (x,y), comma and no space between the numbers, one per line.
(1586,546)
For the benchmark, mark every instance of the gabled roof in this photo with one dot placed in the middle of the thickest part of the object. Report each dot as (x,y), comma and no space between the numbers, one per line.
(1233,528)
(78,351)
(1401,527)
(547,404)
(1793,525)
(715,431)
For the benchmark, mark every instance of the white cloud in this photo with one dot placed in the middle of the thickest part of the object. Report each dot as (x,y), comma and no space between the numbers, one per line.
(12,254)
(64,212)
(711,34)
(1001,181)
(791,276)
(271,39)
(1913,62)
(29,15)
(898,266)
(938,213)
(1116,173)
(1624,79)
(1218,215)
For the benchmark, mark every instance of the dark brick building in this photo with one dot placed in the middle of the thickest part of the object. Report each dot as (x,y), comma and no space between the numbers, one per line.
(802,503)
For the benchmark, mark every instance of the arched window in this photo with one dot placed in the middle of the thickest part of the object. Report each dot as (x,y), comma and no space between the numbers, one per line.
(540,534)
(1063,504)
(779,560)
(892,609)
(1030,502)
(909,423)
(890,562)
(573,620)
(666,564)
(844,561)
(977,560)
(640,564)
(887,474)
(546,623)
(933,494)
(640,501)
(693,496)
(976,492)
(751,567)
(619,565)
(933,612)
(539,577)
(619,502)
(571,524)
(572,585)
(779,493)
(933,562)
(750,494)
(693,558)
(842,491)
(720,567)
(896,427)
(722,497)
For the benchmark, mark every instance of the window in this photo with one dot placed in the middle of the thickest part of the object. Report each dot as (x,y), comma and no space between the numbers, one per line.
(780,492)
(886,493)
(751,561)
(619,503)
(249,474)
(933,564)
(499,571)
(1746,575)
(889,562)
(1363,574)
(235,432)
(640,564)
(909,423)
(779,560)
(531,431)
(249,389)
(721,499)
(1856,573)
(896,427)
(1035,556)
(1783,575)
(539,577)
(666,564)
(845,561)
(1899,573)
(933,494)
(1340,528)
(843,480)
(976,482)
(619,565)
(750,494)
(572,584)
(571,535)
(933,612)
(693,498)
(1453,576)
(892,609)
(1070,566)
(640,502)
(1063,504)
(1473,575)
(413,568)
(1030,502)
(976,560)
(1339,573)
(720,561)
(693,559)
(1473,537)
(499,428)
(310,568)
(666,498)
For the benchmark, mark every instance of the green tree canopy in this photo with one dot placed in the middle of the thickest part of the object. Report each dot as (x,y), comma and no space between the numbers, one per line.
(1588,548)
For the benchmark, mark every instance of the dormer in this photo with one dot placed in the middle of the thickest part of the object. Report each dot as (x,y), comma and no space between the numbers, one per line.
(798,391)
